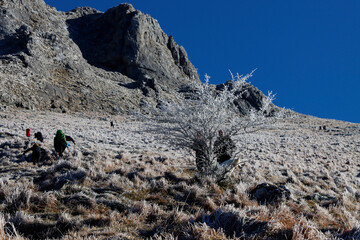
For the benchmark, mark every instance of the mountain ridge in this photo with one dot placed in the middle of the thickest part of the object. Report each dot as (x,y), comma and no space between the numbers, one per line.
(117,62)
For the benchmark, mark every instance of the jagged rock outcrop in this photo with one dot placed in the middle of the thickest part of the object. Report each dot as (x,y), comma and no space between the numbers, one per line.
(249,97)
(85,60)
(125,40)
(117,61)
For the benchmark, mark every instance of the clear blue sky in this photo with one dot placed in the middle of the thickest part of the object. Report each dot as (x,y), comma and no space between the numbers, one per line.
(307,52)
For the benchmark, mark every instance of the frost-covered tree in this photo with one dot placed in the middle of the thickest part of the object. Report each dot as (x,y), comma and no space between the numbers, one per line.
(195,119)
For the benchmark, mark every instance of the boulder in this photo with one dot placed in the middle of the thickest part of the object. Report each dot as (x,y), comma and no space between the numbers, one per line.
(249,97)
(266,193)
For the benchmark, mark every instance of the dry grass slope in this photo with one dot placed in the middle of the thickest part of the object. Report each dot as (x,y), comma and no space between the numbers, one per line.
(124,183)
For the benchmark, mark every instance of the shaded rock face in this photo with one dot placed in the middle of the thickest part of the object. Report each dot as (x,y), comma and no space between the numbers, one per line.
(248,97)
(126,40)
(117,62)
(16,42)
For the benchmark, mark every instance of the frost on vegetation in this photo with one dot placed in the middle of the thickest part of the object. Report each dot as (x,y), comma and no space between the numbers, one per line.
(15,197)
(56,177)
(194,120)
(8,230)
(104,190)
(305,229)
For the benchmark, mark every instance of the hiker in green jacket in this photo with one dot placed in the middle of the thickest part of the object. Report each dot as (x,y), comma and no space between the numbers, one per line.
(61,142)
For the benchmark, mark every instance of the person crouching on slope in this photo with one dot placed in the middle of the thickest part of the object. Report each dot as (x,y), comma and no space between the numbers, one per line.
(39,154)
(60,142)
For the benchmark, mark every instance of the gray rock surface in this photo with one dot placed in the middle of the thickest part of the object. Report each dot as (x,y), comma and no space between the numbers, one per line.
(132,43)
(249,97)
(266,193)
(119,61)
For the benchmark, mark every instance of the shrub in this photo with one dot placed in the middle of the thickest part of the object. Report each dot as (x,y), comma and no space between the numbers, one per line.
(193,120)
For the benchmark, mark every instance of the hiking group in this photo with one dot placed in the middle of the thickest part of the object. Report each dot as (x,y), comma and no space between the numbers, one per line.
(223,149)
(39,154)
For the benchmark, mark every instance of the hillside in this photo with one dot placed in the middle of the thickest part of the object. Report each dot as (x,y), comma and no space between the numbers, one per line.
(80,71)
(123,182)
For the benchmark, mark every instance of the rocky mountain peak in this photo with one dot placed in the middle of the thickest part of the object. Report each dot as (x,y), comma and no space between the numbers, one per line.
(132,43)
(121,10)
(86,60)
